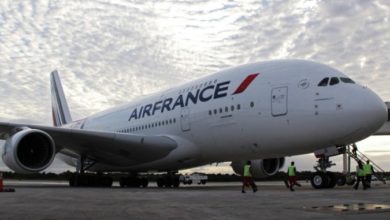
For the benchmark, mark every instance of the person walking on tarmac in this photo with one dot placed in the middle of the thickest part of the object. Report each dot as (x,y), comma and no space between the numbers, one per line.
(368,171)
(360,176)
(292,178)
(247,179)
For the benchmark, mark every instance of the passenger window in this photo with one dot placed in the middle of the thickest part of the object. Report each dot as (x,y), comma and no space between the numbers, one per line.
(324,82)
(334,81)
(347,80)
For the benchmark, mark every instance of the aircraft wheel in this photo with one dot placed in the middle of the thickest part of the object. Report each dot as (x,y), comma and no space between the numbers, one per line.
(168,182)
(331,180)
(176,182)
(319,180)
(122,182)
(144,182)
(160,182)
(350,180)
(341,180)
(72,181)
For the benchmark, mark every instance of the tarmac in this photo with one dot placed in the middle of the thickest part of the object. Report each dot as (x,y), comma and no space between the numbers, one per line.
(55,200)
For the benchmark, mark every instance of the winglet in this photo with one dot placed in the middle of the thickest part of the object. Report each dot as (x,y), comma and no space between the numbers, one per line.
(60,109)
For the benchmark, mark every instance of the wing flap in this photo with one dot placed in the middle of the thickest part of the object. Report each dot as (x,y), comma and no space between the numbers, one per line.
(108,147)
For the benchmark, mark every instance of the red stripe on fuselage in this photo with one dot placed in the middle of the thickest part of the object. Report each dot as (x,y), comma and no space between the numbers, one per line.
(247,81)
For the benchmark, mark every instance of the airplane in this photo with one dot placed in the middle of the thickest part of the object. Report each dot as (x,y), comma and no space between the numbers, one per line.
(261,112)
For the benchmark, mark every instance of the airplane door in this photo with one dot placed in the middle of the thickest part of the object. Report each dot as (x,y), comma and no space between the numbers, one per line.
(279,101)
(185,119)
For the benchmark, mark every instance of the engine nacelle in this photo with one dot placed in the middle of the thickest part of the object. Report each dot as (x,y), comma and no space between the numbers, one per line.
(29,151)
(260,168)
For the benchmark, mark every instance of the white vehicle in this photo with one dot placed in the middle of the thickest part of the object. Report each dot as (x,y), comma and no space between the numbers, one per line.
(261,112)
(194,178)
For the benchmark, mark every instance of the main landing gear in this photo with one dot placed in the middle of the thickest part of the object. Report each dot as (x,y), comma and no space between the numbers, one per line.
(169,180)
(80,178)
(134,181)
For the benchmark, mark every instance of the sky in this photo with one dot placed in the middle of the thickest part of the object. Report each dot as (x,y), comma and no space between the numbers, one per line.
(109,52)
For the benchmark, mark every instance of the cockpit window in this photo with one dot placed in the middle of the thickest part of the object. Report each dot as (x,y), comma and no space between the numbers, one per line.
(334,81)
(324,82)
(347,80)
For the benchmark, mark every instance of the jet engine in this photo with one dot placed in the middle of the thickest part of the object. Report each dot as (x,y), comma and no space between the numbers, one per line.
(29,151)
(261,168)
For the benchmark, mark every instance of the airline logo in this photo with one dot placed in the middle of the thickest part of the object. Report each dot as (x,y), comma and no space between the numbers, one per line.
(205,94)
(247,81)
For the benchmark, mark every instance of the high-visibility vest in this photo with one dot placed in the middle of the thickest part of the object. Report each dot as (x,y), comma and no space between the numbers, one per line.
(367,169)
(360,172)
(291,171)
(247,170)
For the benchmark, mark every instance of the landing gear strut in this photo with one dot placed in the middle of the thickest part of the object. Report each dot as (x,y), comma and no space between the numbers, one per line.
(324,179)
(169,180)
(133,180)
(80,178)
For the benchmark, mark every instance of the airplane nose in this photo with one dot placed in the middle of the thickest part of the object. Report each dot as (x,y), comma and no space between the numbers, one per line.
(373,111)
(361,115)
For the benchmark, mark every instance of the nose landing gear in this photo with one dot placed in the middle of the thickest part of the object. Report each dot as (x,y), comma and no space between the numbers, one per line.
(323,179)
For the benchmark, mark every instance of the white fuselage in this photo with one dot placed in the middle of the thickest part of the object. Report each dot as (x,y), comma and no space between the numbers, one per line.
(262,110)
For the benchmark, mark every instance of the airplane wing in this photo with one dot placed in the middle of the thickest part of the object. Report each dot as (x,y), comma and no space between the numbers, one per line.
(107,147)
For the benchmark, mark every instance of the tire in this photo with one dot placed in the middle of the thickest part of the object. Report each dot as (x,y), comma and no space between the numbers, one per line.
(122,182)
(160,182)
(108,181)
(168,182)
(175,182)
(203,182)
(319,180)
(341,180)
(350,180)
(144,182)
(332,180)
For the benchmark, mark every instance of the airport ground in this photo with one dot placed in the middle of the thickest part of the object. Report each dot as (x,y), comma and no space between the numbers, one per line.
(55,200)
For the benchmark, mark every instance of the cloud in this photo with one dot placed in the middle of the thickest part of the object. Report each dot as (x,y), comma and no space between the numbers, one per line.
(110,52)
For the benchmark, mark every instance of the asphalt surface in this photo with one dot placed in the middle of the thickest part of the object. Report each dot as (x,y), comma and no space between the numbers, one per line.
(55,200)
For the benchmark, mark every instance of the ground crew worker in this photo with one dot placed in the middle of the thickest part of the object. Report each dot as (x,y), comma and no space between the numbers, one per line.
(360,176)
(292,178)
(354,150)
(368,171)
(1,182)
(247,179)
